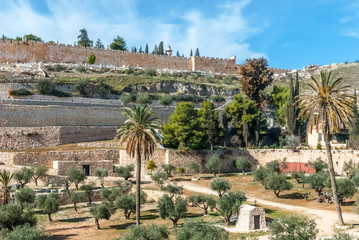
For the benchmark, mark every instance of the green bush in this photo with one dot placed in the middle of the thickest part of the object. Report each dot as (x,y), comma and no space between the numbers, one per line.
(24,232)
(81,86)
(127,98)
(187,98)
(44,86)
(214,164)
(91,59)
(165,100)
(200,230)
(218,99)
(129,70)
(58,68)
(294,228)
(151,232)
(12,215)
(20,92)
(143,98)
(58,93)
(168,168)
(81,69)
(25,196)
(151,72)
(210,79)
(228,79)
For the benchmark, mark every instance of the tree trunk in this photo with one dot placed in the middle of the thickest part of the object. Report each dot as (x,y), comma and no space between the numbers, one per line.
(97,224)
(243,172)
(75,207)
(90,201)
(325,131)
(49,215)
(138,185)
(35,179)
(276,192)
(205,211)
(211,146)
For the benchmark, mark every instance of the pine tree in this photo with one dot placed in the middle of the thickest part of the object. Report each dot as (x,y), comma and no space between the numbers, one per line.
(191,53)
(292,109)
(210,122)
(160,49)
(140,50)
(197,53)
(146,49)
(155,50)
(83,39)
(177,54)
(99,44)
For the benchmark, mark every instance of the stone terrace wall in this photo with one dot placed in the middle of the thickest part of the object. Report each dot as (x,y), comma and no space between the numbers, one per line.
(62,115)
(34,137)
(62,166)
(42,52)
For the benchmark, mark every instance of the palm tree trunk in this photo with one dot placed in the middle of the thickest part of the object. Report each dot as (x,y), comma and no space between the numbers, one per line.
(138,185)
(331,171)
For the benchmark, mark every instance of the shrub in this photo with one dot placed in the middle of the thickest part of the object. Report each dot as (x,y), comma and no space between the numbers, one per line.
(181,170)
(23,176)
(151,166)
(346,189)
(143,98)
(173,189)
(350,168)
(261,173)
(44,86)
(229,203)
(166,100)
(12,215)
(228,79)
(199,230)
(242,163)
(220,185)
(218,99)
(214,164)
(20,92)
(24,232)
(318,165)
(81,69)
(293,142)
(81,86)
(76,176)
(58,68)
(102,211)
(150,232)
(126,98)
(210,79)
(277,183)
(172,209)
(129,70)
(203,201)
(125,171)
(25,196)
(319,146)
(58,93)
(101,173)
(48,204)
(168,168)
(294,228)
(91,59)
(151,72)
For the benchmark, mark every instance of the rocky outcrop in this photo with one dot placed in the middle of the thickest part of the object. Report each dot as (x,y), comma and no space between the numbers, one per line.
(181,87)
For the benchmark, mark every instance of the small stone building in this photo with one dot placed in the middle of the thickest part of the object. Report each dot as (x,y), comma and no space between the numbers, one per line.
(251,218)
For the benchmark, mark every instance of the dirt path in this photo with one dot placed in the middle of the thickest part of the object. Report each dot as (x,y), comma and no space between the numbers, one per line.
(325,219)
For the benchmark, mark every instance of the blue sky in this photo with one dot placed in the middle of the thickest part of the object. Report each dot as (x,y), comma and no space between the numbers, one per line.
(289,33)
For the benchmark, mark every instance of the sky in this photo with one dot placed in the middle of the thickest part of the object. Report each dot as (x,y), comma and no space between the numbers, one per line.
(290,34)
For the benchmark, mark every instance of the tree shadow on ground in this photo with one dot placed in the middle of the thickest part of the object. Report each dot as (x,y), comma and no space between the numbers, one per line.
(348,203)
(181,179)
(123,226)
(81,219)
(295,195)
(62,236)
(194,215)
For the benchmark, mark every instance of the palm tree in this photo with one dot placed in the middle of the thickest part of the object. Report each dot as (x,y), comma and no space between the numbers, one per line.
(5,178)
(328,105)
(138,132)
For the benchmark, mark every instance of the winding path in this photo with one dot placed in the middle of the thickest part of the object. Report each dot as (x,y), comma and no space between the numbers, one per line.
(325,219)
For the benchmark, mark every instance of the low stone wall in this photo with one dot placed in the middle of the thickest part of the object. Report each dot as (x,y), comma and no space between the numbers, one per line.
(62,166)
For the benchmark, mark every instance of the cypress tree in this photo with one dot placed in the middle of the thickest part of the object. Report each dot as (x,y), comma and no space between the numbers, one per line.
(160,49)
(191,53)
(177,54)
(155,50)
(197,53)
(146,49)
(140,50)
(292,109)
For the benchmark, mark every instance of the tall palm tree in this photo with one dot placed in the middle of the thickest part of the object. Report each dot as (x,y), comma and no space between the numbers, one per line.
(328,104)
(5,178)
(138,132)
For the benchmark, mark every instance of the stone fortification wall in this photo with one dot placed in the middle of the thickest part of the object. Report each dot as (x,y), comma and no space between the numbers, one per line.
(67,115)
(42,52)
(34,137)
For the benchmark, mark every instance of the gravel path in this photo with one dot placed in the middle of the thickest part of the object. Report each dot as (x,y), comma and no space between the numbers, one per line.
(325,219)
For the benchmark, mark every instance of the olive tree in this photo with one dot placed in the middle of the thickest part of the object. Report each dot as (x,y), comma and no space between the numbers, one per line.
(23,176)
(294,228)
(25,196)
(24,232)
(195,168)
(173,209)
(12,215)
(159,178)
(150,232)
(318,181)
(203,201)
(101,173)
(40,172)
(125,171)
(242,164)
(76,176)
(76,198)
(102,211)
(229,203)
(172,189)
(277,183)
(168,168)
(192,230)
(127,203)
(48,204)
(88,189)
(213,164)
(220,185)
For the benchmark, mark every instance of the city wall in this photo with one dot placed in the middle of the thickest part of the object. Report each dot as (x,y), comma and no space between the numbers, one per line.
(13,51)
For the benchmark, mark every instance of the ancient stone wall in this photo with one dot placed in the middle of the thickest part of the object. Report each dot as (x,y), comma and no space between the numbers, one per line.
(35,137)
(41,52)
(62,166)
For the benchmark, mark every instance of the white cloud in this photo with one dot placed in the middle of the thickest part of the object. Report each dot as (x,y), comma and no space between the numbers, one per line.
(221,35)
